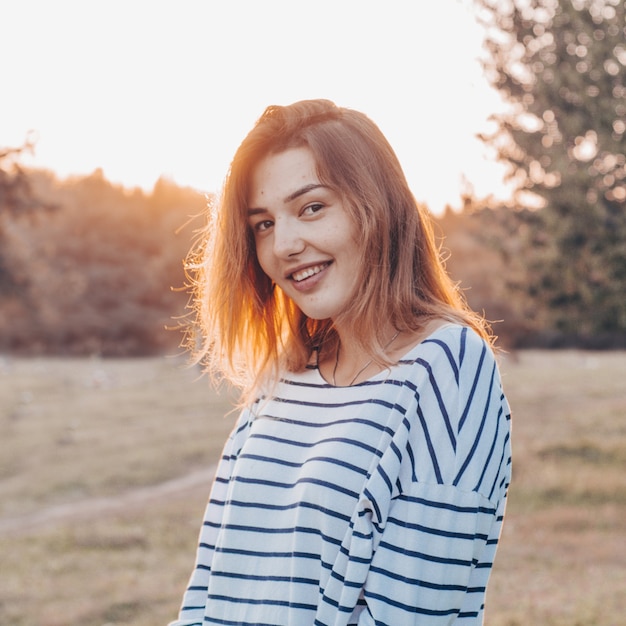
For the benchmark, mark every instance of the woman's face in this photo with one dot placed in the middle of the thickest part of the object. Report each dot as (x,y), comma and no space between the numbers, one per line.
(306,241)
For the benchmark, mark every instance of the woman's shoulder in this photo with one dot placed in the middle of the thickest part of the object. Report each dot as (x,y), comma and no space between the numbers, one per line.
(451,338)
(452,352)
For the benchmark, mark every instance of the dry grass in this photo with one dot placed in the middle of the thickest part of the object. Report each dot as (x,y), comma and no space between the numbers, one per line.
(85,539)
(562,560)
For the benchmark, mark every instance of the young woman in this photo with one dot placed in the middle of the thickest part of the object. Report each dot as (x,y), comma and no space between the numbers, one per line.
(365,480)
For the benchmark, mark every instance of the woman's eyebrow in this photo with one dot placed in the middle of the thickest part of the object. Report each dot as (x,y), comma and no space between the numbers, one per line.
(292,196)
(252,212)
(303,190)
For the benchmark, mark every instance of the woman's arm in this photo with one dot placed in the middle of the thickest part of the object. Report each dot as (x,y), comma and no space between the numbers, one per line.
(434,558)
(195,597)
(437,544)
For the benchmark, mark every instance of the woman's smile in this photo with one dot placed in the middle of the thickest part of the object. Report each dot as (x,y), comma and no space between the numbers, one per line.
(301,275)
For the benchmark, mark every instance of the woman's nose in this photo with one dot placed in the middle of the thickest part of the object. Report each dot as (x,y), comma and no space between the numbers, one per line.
(288,240)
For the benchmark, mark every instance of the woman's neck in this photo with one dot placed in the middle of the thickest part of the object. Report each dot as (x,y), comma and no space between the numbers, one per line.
(349,363)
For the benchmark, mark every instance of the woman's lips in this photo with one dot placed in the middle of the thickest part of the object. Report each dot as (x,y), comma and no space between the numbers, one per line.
(307,272)
(306,278)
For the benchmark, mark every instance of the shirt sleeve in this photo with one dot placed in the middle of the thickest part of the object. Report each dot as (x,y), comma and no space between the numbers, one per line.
(194,600)
(434,544)
(433,560)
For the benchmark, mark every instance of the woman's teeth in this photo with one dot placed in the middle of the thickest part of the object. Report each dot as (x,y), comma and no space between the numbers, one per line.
(308,272)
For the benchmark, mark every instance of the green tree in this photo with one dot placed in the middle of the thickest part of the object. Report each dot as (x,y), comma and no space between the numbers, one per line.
(560,65)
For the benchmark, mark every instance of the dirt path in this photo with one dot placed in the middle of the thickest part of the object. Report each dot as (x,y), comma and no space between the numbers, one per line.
(101,506)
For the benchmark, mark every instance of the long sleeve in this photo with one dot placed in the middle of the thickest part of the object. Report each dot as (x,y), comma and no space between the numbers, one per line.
(194,600)
(433,560)
(436,546)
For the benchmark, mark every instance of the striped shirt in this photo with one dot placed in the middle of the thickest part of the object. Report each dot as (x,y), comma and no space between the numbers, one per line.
(375,504)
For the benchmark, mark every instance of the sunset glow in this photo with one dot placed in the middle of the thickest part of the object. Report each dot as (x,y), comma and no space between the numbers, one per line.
(143,89)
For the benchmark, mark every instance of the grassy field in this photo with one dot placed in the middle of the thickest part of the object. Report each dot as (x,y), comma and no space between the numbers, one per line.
(105,468)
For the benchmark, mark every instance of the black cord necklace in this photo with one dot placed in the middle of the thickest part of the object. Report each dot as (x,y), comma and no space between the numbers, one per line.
(364,367)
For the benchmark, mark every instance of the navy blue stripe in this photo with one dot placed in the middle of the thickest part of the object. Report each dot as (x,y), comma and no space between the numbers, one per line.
(478,434)
(300,444)
(300,481)
(450,507)
(444,346)
(396,450)
(410,608)
(429,444)
(228,622)
(409,451)
(334,405)
(397,382)
(278,555)
(492,449)
(352,557)
(436,531)
(462,344)
(406,422)
(324,459)
(419,582)
(350,420)
(192,608)
(440,402)
(335,604)
(422,555)
(501,465)
(382,472)
(477,376)
(266,602)
(347,583)
(274,579)
(372,501)
(282,531)
(283,507)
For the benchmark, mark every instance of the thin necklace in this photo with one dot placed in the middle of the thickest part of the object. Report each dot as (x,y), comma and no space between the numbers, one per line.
(364,367)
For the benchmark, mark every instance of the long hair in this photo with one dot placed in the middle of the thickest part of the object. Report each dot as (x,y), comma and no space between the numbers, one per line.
(246,329)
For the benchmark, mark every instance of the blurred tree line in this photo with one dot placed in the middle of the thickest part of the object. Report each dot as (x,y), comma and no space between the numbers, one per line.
(89,267)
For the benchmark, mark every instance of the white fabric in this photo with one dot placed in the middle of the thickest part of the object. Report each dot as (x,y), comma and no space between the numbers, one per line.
(380,503)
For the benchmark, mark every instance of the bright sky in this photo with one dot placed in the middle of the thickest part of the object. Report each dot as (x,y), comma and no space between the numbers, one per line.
(143,88)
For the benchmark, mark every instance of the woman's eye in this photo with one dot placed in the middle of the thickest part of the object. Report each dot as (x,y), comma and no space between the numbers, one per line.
(311,209)
(261,227)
